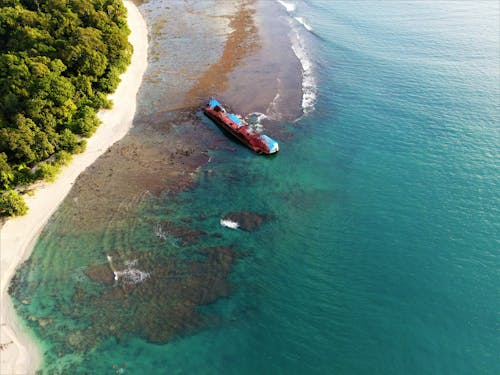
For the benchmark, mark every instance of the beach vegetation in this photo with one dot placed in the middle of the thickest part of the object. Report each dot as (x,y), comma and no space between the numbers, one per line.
(12,204)
(6,173)
(63,158)
(58,62)
(47,171)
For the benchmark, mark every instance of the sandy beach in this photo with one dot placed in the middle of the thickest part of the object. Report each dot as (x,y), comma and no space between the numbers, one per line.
(19,354)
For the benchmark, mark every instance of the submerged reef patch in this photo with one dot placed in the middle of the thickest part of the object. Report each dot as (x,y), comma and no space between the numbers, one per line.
(155,297)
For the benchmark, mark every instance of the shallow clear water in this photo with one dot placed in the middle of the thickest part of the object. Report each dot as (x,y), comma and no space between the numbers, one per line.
(382,249)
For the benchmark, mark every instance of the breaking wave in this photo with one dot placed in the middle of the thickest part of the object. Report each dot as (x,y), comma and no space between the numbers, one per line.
(290,7)
(309,88)
(129,275)
(254,120)
(304,23)
(160,233)
(229,224)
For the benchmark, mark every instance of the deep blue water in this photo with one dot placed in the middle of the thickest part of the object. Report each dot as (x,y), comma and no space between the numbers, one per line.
(383,253)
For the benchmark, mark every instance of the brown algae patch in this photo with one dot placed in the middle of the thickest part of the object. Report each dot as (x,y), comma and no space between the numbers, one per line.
(241,42)
(149,295)
(160,300)
(149,161)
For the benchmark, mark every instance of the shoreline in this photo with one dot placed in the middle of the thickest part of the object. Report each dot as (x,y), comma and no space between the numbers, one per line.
(20,355)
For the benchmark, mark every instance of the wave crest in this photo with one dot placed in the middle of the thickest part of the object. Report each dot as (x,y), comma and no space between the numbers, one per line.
(309,88)
(131,276)
(290,7)
(229,224)
(303,23)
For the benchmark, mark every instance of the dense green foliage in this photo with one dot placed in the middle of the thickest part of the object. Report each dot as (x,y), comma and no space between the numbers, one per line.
(12,204)
(58,61)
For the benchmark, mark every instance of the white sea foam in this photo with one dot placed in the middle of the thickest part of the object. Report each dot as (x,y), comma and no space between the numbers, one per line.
(304,23)
(290,7)
(272,110)
(229,224)
(308,79)
(128,275)
(259,128)
(131,276)
(254,120)
(131,263)
(160,233)
(258,117)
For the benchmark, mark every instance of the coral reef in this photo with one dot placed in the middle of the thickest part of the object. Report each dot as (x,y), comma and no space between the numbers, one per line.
(137,293)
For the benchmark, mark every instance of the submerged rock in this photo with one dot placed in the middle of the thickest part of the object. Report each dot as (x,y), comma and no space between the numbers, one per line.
(101,272)
(248,221)
(185,236)
(159,309)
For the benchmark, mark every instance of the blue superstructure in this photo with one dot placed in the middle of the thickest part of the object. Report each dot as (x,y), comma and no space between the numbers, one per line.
(212,103)
(271,143)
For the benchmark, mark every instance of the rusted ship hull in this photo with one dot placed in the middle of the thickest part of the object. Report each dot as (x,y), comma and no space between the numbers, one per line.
(239,129)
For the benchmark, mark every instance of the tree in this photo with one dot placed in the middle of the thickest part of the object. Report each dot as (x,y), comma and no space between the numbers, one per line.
(67,141)
(6,173)
(86,122)
(25,141)
(12,204)
(58,61)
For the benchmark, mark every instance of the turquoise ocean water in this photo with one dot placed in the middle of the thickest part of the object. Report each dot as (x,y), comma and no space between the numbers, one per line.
(382,254)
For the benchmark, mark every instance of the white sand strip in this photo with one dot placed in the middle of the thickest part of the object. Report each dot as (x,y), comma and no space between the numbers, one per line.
(20,355)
